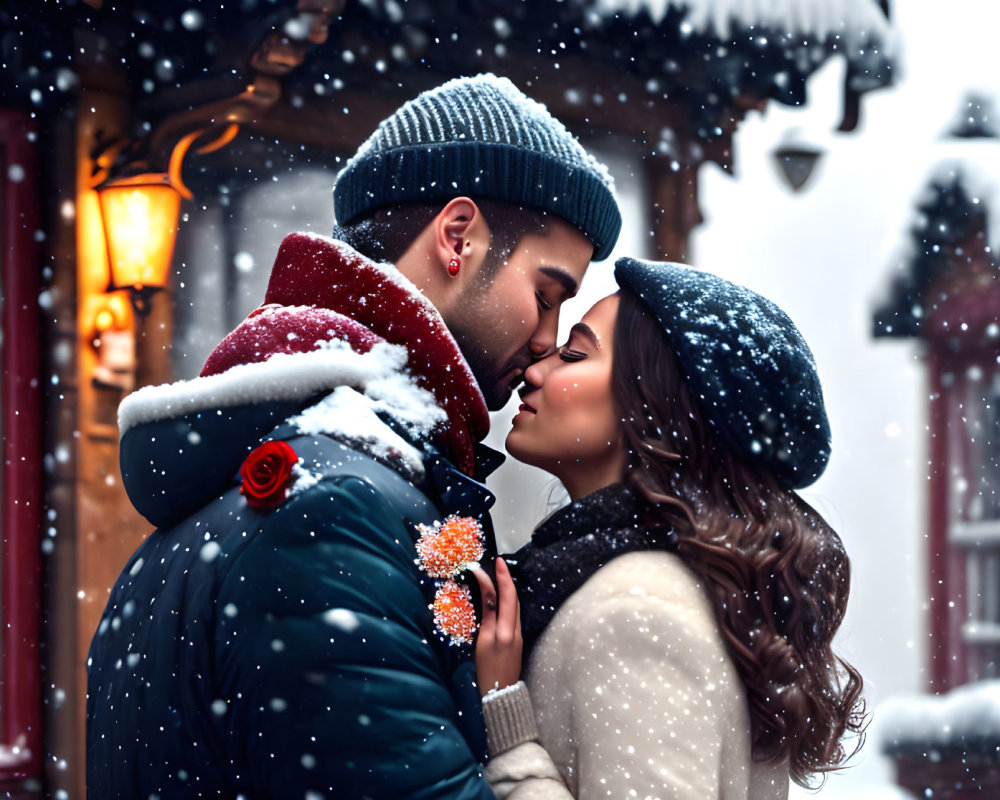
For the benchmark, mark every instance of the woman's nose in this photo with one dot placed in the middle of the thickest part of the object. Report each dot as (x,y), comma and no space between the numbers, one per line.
(537,372)
(533,376)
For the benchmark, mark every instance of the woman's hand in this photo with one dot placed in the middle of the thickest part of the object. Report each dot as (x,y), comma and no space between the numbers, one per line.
(498,645)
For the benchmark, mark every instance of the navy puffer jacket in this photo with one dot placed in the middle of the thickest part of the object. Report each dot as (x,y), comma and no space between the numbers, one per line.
(289,652)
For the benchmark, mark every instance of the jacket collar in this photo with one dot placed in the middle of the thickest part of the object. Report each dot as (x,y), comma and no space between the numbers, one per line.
(329,290)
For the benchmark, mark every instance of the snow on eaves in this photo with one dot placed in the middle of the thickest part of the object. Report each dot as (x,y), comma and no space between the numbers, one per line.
(975,166)
(958,192)
(856,21)
(966,719)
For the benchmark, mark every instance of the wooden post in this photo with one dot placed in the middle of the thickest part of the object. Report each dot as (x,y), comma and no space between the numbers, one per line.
(21,515)
(672,190)
(940,590)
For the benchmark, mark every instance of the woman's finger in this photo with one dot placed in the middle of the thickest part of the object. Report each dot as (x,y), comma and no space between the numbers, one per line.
(518,631)
(508,615)
(488,593)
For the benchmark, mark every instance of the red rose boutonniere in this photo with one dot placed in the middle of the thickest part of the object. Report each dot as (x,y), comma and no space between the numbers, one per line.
(266,475)
(447,549)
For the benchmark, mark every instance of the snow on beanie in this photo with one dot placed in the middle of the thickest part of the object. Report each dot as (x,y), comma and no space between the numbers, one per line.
(481,137)
(747,366)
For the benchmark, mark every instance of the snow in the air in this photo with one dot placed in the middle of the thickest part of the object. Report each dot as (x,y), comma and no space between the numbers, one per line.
(824,255)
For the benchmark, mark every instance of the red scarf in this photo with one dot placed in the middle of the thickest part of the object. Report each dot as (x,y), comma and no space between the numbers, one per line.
(353,299)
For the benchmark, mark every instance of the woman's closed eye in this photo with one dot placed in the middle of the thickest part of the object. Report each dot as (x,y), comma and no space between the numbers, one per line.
(569,355)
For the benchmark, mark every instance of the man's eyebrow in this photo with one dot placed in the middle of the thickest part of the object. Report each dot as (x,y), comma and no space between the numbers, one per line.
(587,332)
(562,276)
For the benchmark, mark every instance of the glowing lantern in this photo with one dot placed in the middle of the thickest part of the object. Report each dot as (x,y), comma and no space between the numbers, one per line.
(140,215)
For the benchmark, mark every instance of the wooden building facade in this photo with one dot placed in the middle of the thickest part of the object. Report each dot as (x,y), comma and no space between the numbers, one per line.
(947,297)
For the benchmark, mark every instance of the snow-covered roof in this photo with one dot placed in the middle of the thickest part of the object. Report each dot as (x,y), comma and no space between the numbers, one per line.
(962,186)
(967,719)
(977,165)
(855,20)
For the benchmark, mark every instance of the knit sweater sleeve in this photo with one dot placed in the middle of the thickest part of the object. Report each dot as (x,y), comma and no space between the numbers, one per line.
(519,767)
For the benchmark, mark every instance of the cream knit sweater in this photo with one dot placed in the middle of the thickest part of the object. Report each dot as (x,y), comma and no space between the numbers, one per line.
(634,695)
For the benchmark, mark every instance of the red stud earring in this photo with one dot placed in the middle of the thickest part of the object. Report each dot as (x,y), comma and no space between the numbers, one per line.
(454,266)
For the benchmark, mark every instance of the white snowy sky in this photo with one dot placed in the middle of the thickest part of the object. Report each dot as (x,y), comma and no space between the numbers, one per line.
(825,255)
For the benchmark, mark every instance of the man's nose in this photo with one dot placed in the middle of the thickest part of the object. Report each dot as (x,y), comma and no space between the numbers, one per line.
(543,342)
(543,354)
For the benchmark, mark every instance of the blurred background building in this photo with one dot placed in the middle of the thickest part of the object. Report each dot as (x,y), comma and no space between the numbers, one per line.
(233,119)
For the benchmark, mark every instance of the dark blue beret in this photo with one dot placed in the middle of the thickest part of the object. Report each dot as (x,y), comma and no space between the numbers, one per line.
(746,364)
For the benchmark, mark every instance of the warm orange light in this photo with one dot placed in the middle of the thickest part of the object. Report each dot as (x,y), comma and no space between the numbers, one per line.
(140,225)
(104,320)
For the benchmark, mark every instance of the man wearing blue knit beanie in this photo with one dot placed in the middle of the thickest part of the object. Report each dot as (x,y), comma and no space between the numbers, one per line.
(300,624)
(458,176)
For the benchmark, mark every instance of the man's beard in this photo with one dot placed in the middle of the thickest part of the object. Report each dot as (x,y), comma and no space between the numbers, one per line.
(472,331)
(488,374)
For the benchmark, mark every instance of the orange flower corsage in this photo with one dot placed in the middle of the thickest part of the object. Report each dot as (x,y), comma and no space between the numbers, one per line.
(453,612)
(446,549)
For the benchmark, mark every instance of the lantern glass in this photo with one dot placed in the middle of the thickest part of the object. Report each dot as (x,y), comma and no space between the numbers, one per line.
(140,224)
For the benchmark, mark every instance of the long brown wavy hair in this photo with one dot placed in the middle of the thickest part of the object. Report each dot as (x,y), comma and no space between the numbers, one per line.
(777,574)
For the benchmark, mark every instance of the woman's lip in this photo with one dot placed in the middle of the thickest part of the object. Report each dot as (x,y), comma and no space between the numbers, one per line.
(526,407)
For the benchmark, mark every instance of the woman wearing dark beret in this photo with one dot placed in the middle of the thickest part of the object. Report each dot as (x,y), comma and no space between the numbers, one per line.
(677,615)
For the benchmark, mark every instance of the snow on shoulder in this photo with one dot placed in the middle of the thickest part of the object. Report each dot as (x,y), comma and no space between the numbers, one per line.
(377,375)
(353,417)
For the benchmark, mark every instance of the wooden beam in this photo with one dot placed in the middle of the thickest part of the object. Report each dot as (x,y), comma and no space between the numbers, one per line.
(672,191)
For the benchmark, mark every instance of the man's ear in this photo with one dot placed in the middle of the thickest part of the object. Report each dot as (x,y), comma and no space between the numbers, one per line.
(461,232)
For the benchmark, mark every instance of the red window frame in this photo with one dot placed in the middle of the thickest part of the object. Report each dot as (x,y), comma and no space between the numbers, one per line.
(20,390)
(970,310)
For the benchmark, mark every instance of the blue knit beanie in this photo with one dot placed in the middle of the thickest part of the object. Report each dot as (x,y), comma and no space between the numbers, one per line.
(747,366)
(480,137)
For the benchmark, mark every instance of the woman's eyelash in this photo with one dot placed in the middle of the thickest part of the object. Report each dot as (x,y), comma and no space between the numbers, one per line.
(545,304)
(566,354)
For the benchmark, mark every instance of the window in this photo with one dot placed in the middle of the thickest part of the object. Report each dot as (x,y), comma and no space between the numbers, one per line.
(975,500)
